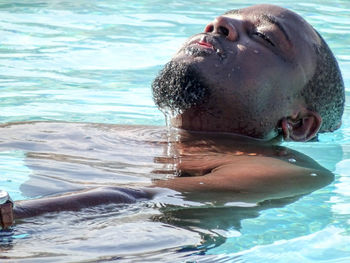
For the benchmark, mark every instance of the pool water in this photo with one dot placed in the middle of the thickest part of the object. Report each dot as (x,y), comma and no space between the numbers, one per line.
(87,65)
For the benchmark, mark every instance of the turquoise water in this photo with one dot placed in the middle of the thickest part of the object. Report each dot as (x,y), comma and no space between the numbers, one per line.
(93,62)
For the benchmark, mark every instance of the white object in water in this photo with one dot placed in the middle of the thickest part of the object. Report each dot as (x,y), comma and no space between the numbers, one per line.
(4,197)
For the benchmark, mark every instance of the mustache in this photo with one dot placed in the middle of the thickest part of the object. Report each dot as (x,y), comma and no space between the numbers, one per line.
(178,87)
(214,41)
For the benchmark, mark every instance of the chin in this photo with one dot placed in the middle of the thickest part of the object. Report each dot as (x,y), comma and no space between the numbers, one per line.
(178,87)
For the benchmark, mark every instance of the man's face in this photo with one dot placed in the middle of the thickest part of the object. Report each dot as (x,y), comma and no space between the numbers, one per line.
(242,75)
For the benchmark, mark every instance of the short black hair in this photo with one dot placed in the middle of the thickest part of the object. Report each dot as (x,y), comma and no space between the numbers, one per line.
(325,92)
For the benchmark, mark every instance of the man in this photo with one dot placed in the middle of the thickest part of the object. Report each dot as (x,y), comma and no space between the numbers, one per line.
(254,75)
(262,71)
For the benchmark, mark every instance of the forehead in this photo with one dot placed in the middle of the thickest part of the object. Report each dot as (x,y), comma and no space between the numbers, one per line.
(291,23)
(282,23)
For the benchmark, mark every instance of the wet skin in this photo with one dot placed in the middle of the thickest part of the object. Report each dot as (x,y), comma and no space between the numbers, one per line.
(215,168)
(255,63)
(211,168)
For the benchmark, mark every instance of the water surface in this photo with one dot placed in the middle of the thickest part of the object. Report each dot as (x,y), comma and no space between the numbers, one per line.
(91,63)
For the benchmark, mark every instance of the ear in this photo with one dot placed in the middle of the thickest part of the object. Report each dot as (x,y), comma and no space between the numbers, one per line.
(303,127)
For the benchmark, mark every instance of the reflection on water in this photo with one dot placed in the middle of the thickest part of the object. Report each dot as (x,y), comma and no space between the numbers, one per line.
(93,62)
(65,157)
(13,172)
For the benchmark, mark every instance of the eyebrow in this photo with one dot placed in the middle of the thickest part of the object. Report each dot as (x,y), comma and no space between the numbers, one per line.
(232,12)
(273,20)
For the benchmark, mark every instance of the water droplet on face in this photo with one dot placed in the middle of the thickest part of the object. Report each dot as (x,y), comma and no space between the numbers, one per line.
(201,183)
(291,160)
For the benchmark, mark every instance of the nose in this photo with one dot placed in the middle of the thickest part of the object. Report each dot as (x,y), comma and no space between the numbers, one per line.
(223,26)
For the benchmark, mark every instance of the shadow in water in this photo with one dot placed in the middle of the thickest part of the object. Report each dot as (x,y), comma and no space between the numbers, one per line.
(215,224)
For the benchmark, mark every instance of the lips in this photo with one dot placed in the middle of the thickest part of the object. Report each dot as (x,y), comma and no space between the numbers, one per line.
(206,43)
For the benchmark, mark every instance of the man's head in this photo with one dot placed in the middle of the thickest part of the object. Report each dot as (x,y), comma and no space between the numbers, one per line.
(260,71)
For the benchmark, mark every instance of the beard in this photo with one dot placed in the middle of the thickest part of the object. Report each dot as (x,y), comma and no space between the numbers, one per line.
(178,87)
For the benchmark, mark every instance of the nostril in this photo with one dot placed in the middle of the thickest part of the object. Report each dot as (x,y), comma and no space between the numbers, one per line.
(224,31)
(209,28)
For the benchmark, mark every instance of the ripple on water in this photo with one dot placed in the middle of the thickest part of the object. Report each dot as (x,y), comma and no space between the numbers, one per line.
(93,62)
(121,230)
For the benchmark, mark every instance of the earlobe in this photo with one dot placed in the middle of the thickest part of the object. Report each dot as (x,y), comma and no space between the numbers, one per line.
(304,127)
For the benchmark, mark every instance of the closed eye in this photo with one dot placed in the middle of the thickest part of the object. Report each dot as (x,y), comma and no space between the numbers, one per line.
(264,37)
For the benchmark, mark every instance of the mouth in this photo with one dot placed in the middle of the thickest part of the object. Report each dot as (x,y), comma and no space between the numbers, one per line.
(204,45)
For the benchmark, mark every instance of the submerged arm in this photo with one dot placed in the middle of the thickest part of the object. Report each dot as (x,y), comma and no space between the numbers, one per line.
(78,200)
(244,178)
(254,179)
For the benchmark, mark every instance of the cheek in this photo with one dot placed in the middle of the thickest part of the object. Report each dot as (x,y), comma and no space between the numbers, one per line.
(253,81)
(260,99)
